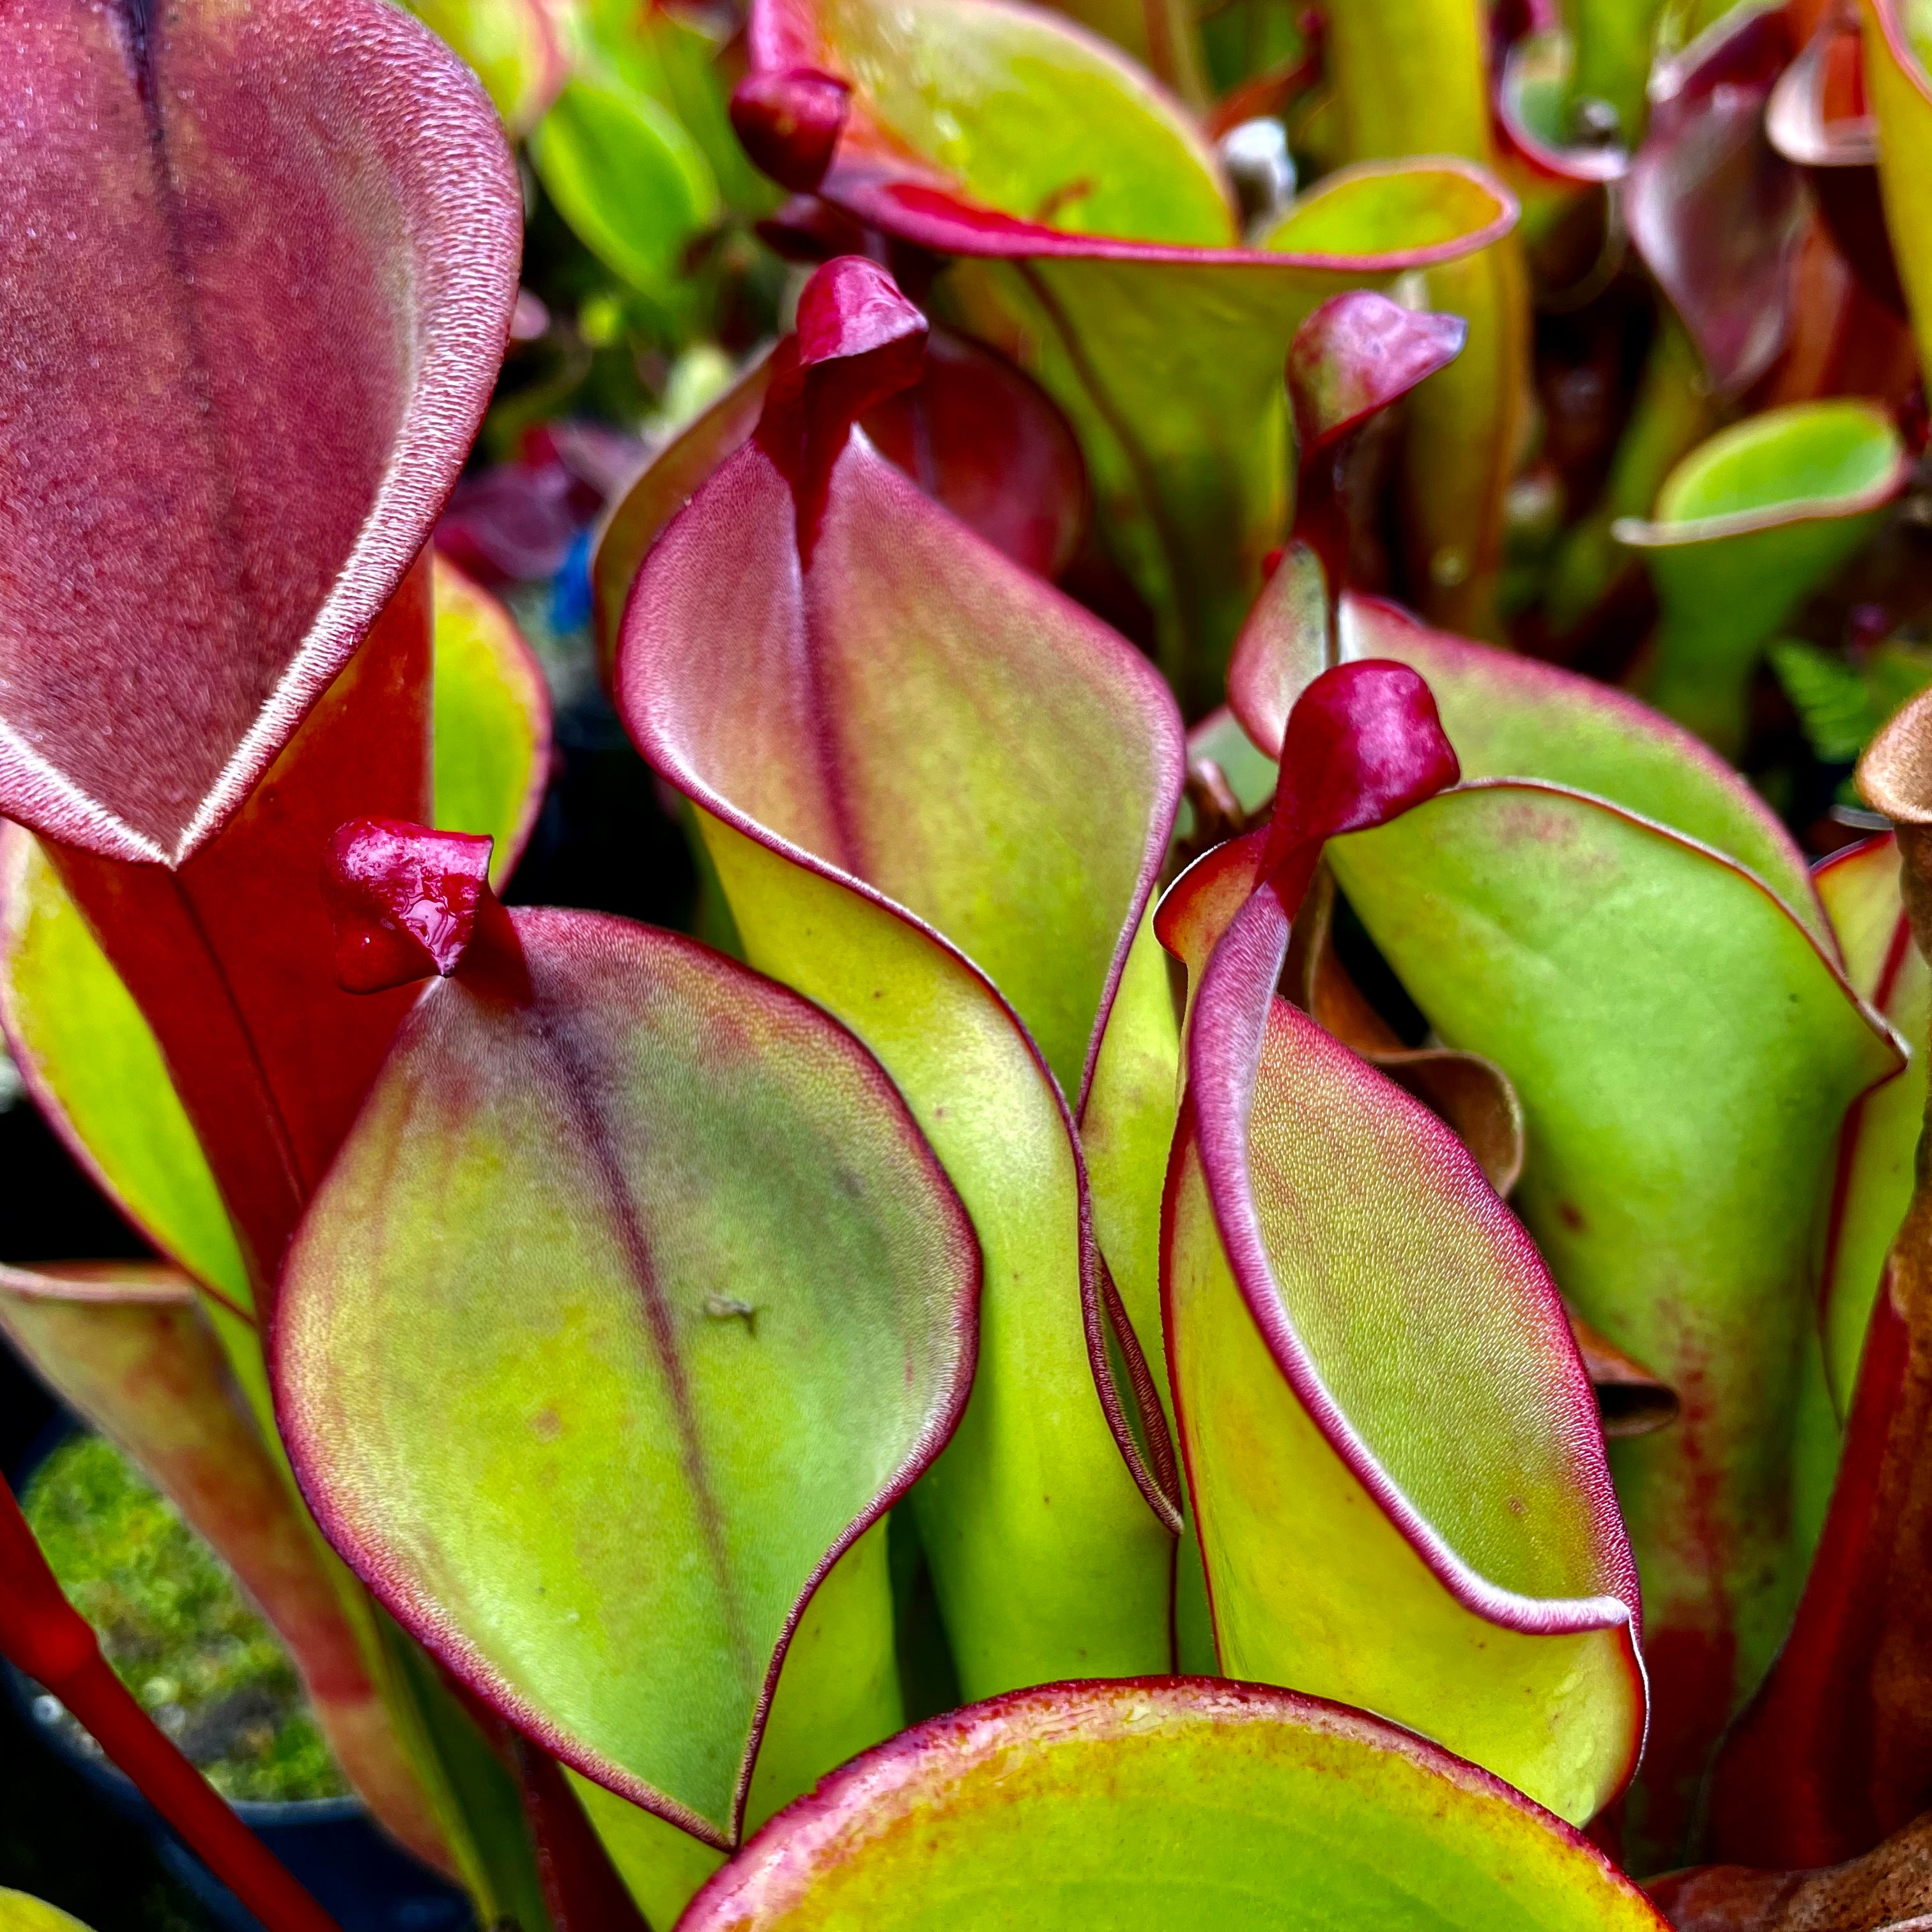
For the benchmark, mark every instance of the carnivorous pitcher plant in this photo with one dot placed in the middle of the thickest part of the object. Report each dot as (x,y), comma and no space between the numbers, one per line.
(1245,1244)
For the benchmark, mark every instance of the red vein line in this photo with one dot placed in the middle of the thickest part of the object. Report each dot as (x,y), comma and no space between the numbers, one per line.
(576,1084)
(144,57)
(819,728)
(1896,953)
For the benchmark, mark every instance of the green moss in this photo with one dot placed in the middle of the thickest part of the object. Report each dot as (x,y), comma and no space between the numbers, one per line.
(176,1627)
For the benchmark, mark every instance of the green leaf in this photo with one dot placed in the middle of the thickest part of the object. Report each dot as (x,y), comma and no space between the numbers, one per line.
(661,1866)
(1684,1053)
(837,1693)
(1392,1448)
(1410,78)
(1180,1803)
(1746,527)
(117,1341)
(628,179)
(666,1240)
(91,1062)
(1127,1129)
(936,794)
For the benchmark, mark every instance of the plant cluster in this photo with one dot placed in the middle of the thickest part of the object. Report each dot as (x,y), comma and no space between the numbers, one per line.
(1266,1267)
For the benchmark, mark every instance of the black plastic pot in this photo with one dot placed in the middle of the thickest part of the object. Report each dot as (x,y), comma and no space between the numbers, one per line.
(358,1875)
(363,1880)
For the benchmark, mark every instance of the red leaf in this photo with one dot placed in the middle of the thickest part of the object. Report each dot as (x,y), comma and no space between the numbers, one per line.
(231,957)
(260,259)
(1835,1751)
(1714,210)
(1357,353)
